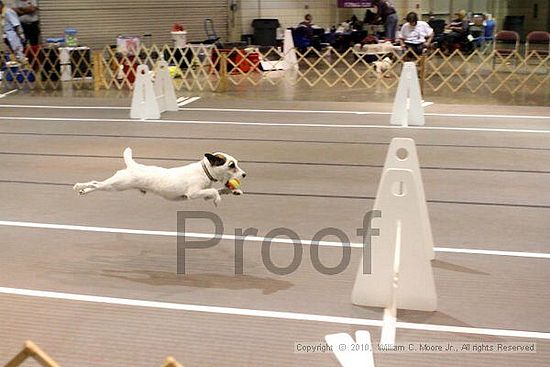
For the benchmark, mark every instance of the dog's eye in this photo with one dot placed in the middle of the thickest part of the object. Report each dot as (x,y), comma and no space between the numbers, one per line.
(232,165)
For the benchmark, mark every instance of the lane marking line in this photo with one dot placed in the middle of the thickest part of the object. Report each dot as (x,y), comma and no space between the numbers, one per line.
(8,93)
(65,107)
(343,112)
(270,314)
(256,239)
(296,125)
(188,100)
(457,115)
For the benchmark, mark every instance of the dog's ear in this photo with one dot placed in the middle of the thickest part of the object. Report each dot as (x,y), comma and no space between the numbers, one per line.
(215,160)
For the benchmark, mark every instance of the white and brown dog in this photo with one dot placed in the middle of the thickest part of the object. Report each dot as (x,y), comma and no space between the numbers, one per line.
(381,66)
(192,181)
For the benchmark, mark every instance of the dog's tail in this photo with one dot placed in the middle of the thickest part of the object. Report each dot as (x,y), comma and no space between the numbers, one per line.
(128,158)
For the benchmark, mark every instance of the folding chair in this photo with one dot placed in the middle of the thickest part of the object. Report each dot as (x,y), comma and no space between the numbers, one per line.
(212,37)
(506,43)
(538,42)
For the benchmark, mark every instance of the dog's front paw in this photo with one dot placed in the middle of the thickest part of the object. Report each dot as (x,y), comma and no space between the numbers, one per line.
(79,188)
(237,192)
(217,200)
(224,191)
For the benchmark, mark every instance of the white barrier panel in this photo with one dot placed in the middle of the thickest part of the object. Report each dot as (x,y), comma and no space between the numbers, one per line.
(144,101)
(150,98)
(407,105)
(402,154)
(289,60)
(355,353)
(164,88)
(289,52)
(398,201)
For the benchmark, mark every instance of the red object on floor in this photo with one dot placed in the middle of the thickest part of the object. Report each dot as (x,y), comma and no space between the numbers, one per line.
(238,62)
(129,67)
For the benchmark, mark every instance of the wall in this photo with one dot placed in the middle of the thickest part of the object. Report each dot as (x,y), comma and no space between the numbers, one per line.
(402,7)
(525,8)
(325,13)
(290,13)
(446,8)
(99,22)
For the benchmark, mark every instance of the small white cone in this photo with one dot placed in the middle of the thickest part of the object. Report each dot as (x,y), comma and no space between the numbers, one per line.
(289,52)
(144,101)
(164,88)
(407,105)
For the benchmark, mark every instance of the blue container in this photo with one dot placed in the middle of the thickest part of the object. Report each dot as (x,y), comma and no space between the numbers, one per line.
(15,74)
(70,37)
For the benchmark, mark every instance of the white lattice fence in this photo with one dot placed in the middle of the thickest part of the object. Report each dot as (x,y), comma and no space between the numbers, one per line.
(208,68)
(491,72)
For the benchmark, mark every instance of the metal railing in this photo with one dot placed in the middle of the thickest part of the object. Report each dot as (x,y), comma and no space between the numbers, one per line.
(208,68)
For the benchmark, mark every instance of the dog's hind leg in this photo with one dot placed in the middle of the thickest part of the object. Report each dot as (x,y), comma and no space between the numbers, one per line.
(118,182)
(86,187)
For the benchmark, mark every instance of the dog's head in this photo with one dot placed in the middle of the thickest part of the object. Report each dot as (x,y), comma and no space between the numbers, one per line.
(224,167)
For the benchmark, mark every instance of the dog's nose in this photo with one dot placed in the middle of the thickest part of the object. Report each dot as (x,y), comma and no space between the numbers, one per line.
(244,174)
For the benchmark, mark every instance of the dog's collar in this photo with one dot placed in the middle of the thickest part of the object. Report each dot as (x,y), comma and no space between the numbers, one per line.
(207,173)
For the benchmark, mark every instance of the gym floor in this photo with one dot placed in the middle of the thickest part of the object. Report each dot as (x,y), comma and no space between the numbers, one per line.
(90,291)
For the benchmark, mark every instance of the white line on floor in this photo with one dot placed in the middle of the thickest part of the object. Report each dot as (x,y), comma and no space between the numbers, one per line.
(69,227)
(367,113)
(8,93)
(65,107)
(188,100)
(343,112)
(181,99)
(296,125)
(271,314)
(257,110)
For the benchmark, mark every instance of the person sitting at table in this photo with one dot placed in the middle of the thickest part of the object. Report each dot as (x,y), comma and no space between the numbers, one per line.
(415,35)
(306,35)
(307,23)
(456,32)
(355,24)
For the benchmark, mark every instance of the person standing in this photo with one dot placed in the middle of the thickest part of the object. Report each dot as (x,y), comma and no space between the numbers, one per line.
(28,16)
(388,16)
(12,32)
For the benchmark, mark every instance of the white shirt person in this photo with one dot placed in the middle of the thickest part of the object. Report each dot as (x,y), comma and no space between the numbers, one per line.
(415,34)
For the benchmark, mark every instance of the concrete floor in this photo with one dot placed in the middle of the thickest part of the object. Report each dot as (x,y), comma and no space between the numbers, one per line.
(486,182)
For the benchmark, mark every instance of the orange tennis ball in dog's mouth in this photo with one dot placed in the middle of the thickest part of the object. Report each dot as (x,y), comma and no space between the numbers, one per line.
(233,184)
